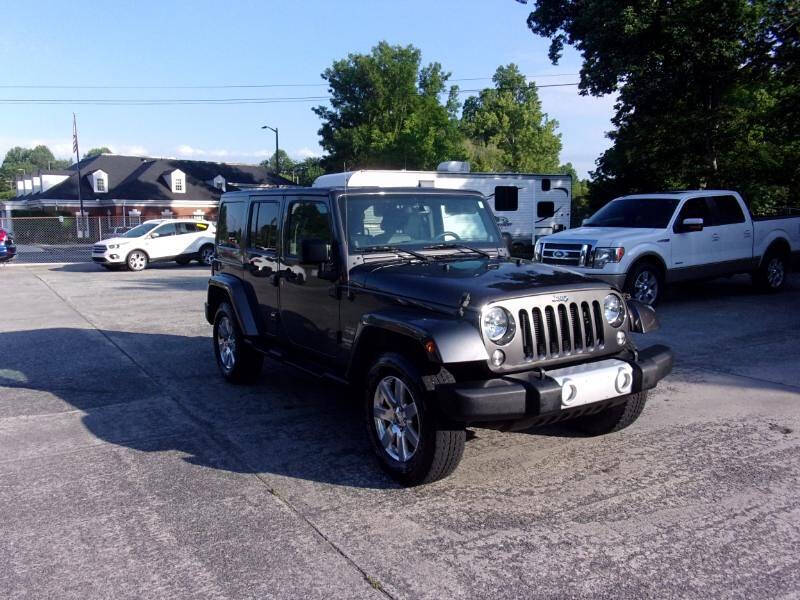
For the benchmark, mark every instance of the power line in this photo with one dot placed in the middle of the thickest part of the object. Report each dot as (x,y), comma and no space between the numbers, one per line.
(224,86)
(202,101)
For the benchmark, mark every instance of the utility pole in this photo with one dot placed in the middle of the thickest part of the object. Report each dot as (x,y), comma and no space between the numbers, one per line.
(277,157)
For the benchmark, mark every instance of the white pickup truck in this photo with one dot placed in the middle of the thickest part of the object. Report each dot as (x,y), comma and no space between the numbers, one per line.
(641,242)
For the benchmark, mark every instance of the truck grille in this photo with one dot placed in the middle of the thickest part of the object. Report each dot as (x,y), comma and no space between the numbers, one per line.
(561,330)
(574,255)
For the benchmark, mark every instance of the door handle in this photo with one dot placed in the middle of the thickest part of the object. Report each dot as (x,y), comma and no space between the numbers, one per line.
(715,237)
(747,233)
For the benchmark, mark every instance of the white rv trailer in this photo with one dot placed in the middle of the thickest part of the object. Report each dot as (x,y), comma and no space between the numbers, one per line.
(527,206)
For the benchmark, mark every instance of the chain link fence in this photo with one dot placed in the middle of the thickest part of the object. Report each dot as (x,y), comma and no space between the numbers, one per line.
(61,239)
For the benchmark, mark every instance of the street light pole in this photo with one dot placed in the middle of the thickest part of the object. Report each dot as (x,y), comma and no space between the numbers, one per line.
(277,157)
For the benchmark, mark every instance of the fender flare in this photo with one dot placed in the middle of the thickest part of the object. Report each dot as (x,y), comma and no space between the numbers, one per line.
(241,299)
(776,238)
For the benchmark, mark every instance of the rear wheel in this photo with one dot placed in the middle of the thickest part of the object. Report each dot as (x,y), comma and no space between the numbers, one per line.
(183,261)
(410,441)
(206,254)
(645,283)
(237,361)
(771,275)
(137,261)
(613,418)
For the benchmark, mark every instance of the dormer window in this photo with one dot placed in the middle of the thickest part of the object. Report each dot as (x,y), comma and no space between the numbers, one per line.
(177,181)
(101,185)
(99,181)
(178,184)
(219,183)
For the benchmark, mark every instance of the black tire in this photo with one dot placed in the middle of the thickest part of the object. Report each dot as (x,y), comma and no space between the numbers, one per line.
(183,261)
(613,418)
(137,260)
(246,362)
(771,274)
(645,282)
(440,446)
(206,254)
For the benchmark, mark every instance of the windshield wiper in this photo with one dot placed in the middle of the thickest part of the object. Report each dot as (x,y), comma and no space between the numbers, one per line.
(396,250)
(461,247)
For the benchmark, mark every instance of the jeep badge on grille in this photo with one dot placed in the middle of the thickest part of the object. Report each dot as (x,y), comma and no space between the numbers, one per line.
(560,298)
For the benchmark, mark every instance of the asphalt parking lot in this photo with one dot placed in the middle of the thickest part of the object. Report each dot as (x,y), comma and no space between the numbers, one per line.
(129,470)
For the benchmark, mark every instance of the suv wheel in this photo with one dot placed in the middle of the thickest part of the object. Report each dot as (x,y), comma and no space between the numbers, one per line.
(645,283)
(771,275)
(137,261)
(238,362)
(613,418)
(411,443)
(206,255)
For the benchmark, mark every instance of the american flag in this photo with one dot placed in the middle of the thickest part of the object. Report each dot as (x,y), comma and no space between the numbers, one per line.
(74,134)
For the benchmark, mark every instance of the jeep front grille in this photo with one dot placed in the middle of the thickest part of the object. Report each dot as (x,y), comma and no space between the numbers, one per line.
(561,330)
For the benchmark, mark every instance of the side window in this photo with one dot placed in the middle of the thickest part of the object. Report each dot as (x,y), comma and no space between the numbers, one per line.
(545,185)
(230,225)
(506,198)
(264,225)
(308,219)
(166,230)
(693,209)
(186,228)
(546,209)
(728,210)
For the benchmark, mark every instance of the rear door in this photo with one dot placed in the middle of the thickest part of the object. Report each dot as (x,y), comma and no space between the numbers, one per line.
(261,255)
(735,232)
(692,251)
(186,239)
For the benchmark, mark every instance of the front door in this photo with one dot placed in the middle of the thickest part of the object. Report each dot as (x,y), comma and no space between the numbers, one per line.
(163,242)
(692,250)
(309,305)
(261,256)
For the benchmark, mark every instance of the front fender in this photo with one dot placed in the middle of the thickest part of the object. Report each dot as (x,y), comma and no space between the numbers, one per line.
(241,298)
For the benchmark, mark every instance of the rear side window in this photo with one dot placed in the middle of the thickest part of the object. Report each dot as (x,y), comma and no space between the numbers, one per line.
(728,210)
(506,198)
(264,225)
(693,209)
(231,225)
(186,228)
(545,210)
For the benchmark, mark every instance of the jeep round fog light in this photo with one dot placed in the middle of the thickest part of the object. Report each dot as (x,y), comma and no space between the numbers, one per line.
(498,358)
(569,392)
(621,338)
(623,381)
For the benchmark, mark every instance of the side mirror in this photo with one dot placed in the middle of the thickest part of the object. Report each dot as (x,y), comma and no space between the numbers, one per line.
(694,224)
(643,317)
(314,252)
(154,235)
(583,222)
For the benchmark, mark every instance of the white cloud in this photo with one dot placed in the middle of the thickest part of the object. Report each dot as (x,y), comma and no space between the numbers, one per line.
(304,153)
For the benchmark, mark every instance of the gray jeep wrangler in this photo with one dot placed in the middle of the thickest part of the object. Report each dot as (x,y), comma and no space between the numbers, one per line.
(410,297)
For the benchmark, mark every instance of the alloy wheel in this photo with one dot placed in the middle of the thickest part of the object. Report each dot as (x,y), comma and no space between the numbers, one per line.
(645,288)
(137,261)
(226,343)
(397,420)
(206,255)
(775,273)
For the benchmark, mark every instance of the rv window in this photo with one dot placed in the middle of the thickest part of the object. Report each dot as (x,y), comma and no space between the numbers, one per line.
(545,210)
(545,185)
(506,198)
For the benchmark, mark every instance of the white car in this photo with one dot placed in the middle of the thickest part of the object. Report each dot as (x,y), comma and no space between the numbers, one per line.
(158,240)
(640,243)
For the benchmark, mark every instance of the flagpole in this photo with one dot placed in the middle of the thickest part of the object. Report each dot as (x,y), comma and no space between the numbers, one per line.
(78,164)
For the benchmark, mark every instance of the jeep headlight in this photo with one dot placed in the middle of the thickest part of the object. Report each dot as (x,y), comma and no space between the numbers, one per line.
(603,256)
(498,325)
(613,310)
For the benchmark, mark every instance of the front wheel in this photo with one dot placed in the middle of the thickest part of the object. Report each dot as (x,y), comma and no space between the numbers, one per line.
(238,362)
(613,418)
(137,261)
(645,283)
(410,441)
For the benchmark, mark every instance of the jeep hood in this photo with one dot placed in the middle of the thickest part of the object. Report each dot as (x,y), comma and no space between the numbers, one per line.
(445,282)
(603,236)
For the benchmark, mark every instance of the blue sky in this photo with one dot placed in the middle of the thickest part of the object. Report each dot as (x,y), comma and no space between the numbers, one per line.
(158,43)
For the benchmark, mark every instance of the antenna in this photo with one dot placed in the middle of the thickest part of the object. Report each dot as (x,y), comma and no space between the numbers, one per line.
(346,228)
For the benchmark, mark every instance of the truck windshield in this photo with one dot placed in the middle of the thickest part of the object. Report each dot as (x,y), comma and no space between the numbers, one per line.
(139,230)
(641,213)
(417,220)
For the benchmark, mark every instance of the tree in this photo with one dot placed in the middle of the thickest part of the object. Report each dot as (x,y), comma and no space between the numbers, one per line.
(507,129)
(385,112)
(696,84)
(286,163)
(306,171)
(97,152)
(27,161)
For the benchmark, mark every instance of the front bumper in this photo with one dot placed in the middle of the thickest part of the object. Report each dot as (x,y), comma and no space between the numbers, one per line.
(534,394)
(109,257)
(7,253)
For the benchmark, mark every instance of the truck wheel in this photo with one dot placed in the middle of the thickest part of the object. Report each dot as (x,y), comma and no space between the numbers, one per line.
(645,283)
(238,362)
(613,418)
(137,261)
(771,275)
(411,443)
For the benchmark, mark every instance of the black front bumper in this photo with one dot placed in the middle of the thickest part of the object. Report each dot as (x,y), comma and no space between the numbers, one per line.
(529,394)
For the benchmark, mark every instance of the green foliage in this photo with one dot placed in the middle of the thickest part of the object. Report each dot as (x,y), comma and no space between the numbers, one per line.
(385,112)
(708,91)
(29,161)
(97,152)
(286,163)
(306,171)
(507,129)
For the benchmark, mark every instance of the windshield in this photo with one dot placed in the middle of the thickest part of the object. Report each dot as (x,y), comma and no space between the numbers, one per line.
(641,213)
(139,230)
(417,220)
